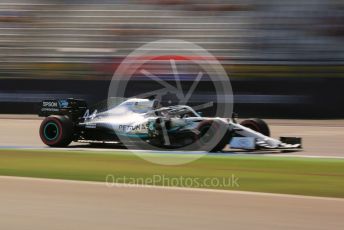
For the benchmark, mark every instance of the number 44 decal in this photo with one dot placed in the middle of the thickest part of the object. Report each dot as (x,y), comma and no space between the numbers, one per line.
(87,115)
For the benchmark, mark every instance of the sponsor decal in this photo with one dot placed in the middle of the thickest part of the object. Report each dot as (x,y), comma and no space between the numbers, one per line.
(50,110)
(63,103)
(50,104)
(129,128)
(91,126)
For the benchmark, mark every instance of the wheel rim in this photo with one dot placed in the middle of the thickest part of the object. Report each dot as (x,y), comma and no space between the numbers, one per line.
(51,131)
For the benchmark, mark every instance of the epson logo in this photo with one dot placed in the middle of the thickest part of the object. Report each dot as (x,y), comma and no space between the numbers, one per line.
(49,104)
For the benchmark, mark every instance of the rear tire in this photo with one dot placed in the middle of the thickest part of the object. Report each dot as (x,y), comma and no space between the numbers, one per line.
(56,131)
(257,125)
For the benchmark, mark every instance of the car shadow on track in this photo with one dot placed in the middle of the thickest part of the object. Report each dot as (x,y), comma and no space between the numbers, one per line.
(227,151)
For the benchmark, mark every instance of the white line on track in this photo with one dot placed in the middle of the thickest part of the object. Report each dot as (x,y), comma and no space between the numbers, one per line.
(186,189)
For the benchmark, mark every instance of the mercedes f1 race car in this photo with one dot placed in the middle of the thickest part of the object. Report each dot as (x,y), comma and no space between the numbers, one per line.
(146,123)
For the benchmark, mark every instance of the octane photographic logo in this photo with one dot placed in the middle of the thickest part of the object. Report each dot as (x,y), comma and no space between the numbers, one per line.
(174,72)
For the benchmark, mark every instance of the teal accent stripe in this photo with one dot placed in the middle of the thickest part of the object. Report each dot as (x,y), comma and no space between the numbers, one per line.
(45,133)
(140,135)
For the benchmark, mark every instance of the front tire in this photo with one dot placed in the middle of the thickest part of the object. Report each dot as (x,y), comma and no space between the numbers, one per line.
(209,129)
(257,125)
(56,131)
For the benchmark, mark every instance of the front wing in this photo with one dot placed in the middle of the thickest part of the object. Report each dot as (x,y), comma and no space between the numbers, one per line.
(248,139)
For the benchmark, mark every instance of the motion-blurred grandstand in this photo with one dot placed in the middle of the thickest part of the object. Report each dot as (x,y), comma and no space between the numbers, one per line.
(285,58)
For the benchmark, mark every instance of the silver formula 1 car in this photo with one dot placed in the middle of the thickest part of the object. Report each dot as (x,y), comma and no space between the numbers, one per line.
(147,124)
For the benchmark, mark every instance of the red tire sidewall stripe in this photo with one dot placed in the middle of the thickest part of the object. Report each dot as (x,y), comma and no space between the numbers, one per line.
(58,123)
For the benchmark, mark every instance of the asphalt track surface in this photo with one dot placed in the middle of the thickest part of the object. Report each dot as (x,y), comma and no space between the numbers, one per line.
(56,204)
(27,203)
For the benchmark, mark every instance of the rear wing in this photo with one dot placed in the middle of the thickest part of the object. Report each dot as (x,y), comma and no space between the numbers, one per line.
(74,108)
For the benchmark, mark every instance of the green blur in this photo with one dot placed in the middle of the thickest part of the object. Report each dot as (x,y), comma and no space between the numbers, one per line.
(289,175)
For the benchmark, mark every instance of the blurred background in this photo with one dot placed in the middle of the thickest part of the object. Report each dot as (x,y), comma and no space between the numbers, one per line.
(284,58)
